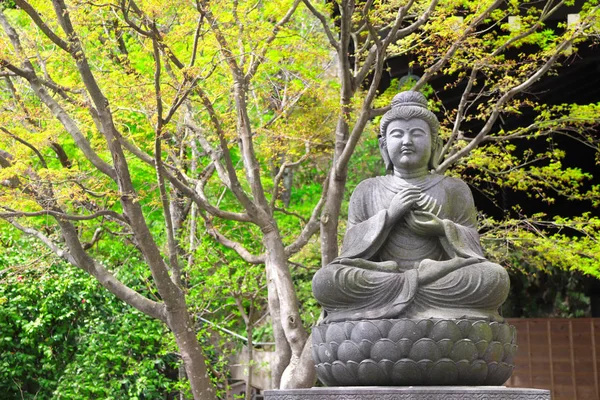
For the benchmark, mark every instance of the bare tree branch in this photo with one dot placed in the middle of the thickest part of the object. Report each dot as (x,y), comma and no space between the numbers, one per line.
(497,108)
(27,144)
(62,215)
(435,68)
(282,169)
(164,197)
(57,110)
(231,244)
(256,60)
(37,18)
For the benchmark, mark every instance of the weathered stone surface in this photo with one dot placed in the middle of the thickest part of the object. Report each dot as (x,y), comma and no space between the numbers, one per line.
(411,249)
(409,393)
(412,300)
(406,352)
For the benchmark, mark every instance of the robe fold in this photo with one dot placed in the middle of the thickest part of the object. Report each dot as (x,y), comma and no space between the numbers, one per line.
(360,284)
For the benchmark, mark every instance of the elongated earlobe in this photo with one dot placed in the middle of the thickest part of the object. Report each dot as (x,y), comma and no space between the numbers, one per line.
(436,151)
(384,154)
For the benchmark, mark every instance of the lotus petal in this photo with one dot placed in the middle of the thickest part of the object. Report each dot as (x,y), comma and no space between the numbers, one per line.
(509,353)
(349,351)
(425,349)
(324,374)
(494,352)
(334,347)
(500,374)
(325,353)
(384,326)
(463,367)
(478,372)
(348,327)
(492,367)
(481,331)
(353,368)
(425,366)
(407,372)
(482,346)
(342,375)
(365,347)
(386,366)
(315,353)
(404,329)
(464,349)
(504,334)
(366,330)
(445,346)
(465,327)
(443,372)
(445,329)
(385,349)
(369,373)
(335,333)
(425,325)
(318,334)
(405,345)
(495,326)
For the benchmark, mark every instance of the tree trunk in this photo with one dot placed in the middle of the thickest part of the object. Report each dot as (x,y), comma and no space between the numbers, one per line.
(191,354)
(289,314)
(283,351)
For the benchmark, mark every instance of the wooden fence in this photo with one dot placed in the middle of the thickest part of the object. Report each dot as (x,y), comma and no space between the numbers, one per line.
(558,354)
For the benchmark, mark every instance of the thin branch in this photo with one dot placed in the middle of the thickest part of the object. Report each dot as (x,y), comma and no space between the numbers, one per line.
(95,238)
(282,169)
(290,213)
(44,239)
(196,40)
(164,197)
(231,244)
(57,110)
(503,100)
(417,24)
(62,215)
(27,144)
(256,61)
(37,18)
(435,68)
(332,40)
(460,113)
(312,226)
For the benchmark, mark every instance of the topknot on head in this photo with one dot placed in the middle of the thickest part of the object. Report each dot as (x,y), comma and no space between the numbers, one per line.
(409,98)
(407,105)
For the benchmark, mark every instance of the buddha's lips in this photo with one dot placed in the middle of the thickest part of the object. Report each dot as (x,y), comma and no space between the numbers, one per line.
(407,151)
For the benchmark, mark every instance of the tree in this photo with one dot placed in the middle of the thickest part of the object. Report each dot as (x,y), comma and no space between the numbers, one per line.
(69,81)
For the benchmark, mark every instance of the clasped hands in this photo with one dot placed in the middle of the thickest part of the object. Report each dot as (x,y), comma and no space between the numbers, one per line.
(419,212)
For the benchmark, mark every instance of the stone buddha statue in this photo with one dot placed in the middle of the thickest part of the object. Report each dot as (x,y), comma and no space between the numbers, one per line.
(411,249)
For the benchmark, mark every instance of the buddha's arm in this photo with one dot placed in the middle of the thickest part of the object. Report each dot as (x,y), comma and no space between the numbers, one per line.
(368,229)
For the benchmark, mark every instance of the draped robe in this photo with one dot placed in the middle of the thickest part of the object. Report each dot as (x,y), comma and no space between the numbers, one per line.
(350,292)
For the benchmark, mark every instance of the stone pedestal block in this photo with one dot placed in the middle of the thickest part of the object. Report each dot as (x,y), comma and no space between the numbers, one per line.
(409,393)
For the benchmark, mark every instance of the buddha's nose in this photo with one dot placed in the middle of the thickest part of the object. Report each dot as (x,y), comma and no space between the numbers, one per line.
(406,139)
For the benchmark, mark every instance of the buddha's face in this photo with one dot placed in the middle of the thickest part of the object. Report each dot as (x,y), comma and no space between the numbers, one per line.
(409,144)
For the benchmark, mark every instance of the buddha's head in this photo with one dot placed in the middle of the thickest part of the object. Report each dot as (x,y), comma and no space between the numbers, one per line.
(409,133)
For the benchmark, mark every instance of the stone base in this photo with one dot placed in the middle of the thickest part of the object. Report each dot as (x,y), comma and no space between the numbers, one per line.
(409,393)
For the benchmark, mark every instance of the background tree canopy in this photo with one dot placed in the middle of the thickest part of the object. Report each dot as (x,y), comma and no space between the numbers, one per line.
(193,159)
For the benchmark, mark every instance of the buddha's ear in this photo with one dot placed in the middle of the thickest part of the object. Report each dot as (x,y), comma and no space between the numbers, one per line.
(436,152)
(384,154)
